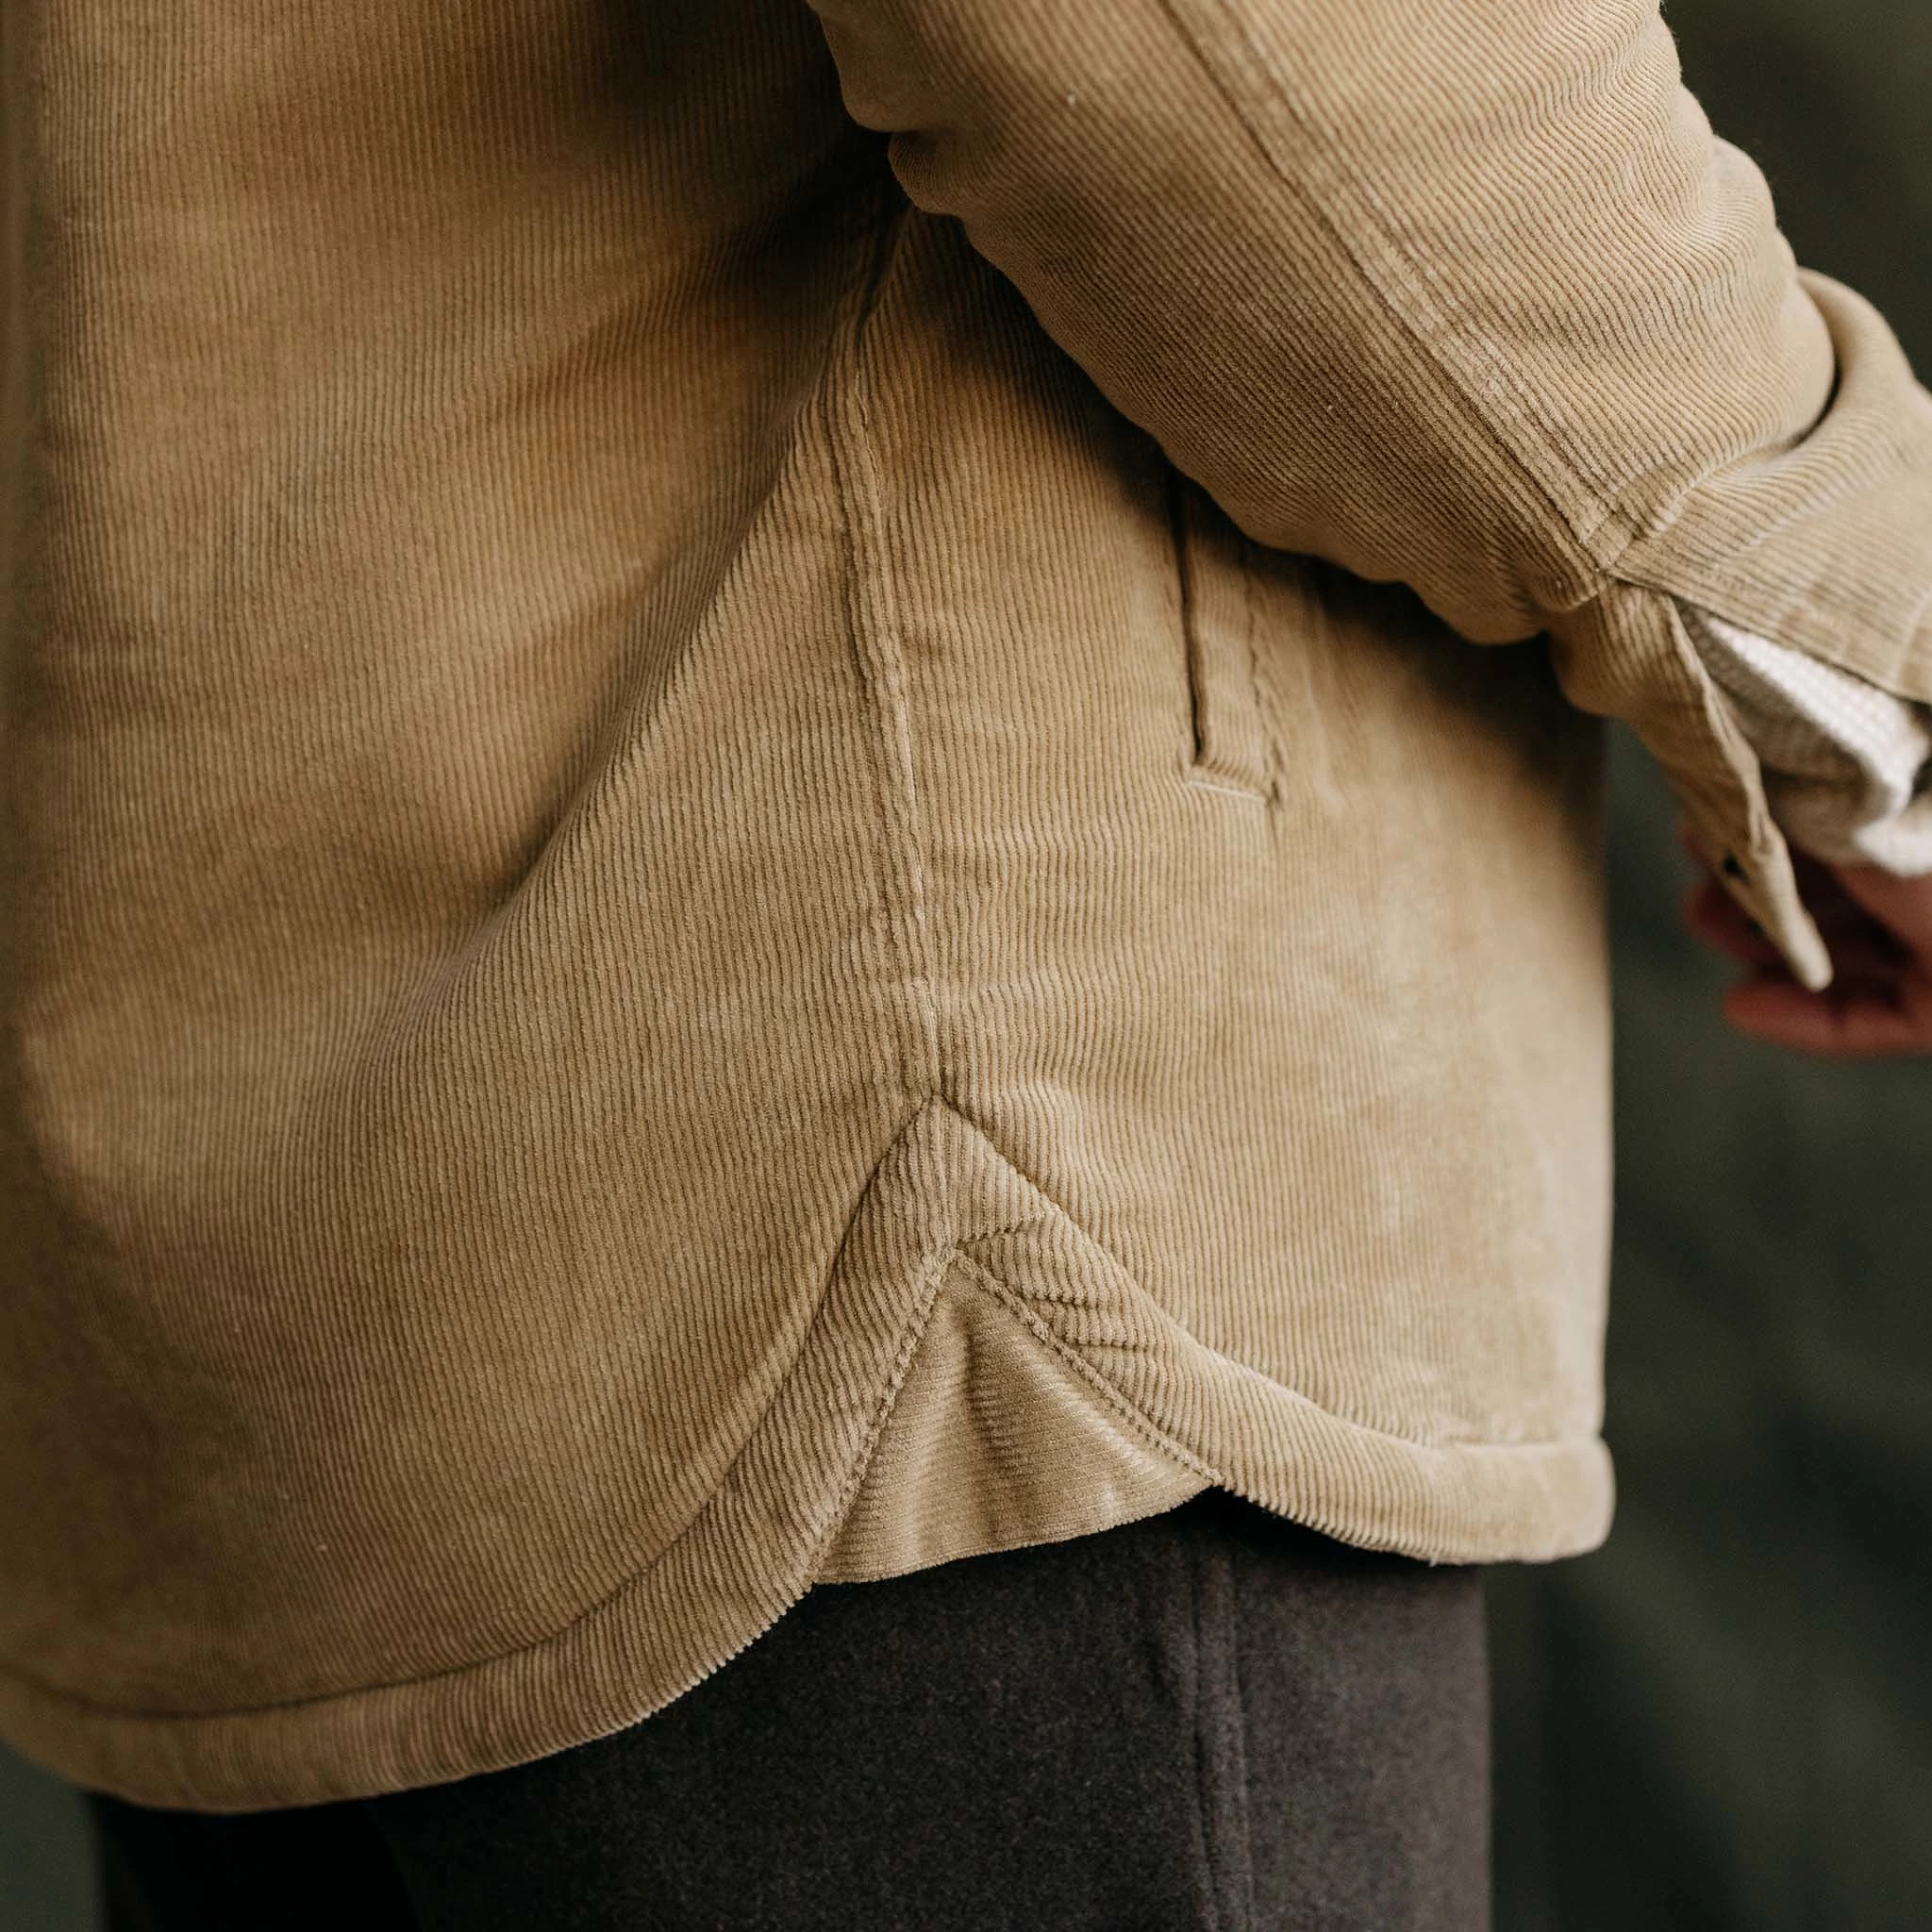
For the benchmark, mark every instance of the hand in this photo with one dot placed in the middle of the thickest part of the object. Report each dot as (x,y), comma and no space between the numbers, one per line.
(1879,930)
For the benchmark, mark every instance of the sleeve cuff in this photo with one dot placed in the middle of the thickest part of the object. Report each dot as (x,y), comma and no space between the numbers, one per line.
(1847,765)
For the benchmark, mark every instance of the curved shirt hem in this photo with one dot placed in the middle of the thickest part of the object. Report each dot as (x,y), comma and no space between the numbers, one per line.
(710,1594)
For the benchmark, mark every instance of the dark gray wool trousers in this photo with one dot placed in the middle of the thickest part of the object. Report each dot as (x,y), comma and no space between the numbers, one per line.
(1210,1718)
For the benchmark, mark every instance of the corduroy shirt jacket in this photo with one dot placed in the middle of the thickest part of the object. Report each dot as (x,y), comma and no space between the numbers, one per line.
(790,790)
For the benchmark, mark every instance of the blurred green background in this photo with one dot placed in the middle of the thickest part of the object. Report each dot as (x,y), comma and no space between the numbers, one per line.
(1723,1720)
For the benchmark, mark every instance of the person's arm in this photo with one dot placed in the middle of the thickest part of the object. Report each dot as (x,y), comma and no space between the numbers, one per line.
(1462,293)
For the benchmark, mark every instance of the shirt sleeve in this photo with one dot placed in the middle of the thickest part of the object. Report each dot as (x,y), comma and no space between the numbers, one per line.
(1460,293)
(1848,767)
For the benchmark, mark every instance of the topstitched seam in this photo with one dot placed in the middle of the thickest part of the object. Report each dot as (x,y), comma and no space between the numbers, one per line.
(943,1262)
(934,1268)
(938,1267)
(882,660)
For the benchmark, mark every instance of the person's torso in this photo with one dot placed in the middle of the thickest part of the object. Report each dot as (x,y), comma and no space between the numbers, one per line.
(575,670)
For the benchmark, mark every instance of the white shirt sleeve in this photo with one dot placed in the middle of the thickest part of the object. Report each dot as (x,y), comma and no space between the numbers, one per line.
(1847,766)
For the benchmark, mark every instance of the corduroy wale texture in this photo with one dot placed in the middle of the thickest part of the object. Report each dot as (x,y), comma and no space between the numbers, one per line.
(751,831)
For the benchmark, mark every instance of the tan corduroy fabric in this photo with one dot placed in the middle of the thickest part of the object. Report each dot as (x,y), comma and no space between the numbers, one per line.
(718,871)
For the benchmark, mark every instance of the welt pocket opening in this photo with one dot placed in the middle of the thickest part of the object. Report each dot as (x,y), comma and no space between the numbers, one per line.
(1232,750)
